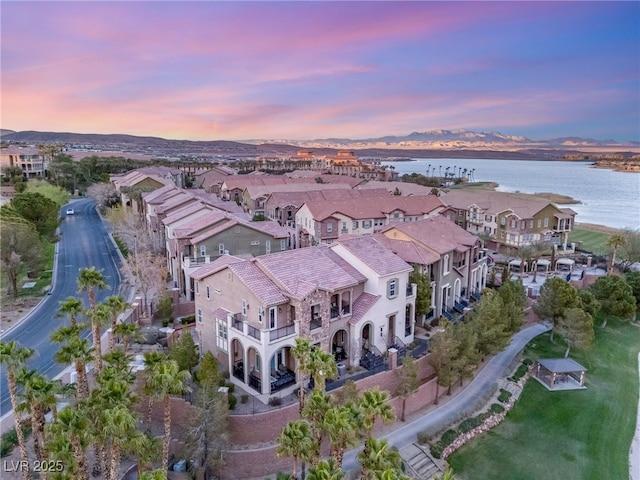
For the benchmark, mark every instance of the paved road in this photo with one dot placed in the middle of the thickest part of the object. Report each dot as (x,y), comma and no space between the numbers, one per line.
(84,242)
(463,402)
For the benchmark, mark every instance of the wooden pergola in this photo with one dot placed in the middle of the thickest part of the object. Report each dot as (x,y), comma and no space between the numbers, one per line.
(559,373)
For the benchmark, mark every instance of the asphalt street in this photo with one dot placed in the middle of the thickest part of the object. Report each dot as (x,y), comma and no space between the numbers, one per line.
(84,242)
(461,404)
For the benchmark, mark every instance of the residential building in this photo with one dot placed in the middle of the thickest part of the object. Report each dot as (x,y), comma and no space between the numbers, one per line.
(511,219)
(351,299)
(450,257)
(326,221)
(33,163)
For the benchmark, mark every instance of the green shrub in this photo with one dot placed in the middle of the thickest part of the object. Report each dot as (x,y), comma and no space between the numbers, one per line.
(9,440)
(244,398)
(504,396)
(424,437)
(497,408)
(188,320)
(521,372)
(449,436)
(527,362)
(232,401)
(275,401)
(469,424)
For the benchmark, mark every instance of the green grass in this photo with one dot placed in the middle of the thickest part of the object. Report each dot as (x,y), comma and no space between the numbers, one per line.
(581,434)
(594,242)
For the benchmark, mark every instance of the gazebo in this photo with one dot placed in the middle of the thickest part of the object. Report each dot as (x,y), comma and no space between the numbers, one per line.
(559,374)
(542,265)
(514,266)
(564,264)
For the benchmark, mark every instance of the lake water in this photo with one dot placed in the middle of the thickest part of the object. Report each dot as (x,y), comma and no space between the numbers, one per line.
(608,198)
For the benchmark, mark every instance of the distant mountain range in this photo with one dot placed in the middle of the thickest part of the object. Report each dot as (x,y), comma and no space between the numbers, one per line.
(437,143)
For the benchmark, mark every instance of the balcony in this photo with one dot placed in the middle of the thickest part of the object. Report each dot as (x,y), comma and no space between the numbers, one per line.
(316,322)
(196,262)
(282,332)
(334,313)
(253,332)
(237,323)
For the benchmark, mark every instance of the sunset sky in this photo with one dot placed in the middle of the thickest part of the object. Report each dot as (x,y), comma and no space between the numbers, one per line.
(302,70)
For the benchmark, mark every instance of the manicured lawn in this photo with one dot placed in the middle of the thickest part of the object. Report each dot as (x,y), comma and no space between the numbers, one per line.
(594,242)
(582,434)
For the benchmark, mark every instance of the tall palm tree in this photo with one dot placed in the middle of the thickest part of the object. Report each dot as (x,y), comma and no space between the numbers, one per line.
(71,426)
(538,249)
(614,242)
(318,404)
(117,305)
(326,470)
(525,252)
(340,425)
(119,426)
(39,395)
(322,365)
(151,362)
(14,357)
(79,352)
(99,317)
(167,379)
(301,351)
(88,280)
(296,441)
(117,367)
(374,404)
(71,307)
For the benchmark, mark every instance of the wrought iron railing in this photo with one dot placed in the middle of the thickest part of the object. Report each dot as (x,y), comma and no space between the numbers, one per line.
(282,332)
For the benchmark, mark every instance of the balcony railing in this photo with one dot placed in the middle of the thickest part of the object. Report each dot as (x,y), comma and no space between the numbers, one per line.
(316,322)
(282,332)
(334,312)
(253,332)
(237,323)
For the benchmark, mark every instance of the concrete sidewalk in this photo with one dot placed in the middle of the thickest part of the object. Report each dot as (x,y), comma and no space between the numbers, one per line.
(461,404)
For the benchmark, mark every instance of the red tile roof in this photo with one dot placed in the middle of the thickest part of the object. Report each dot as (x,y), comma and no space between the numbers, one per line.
(374,255)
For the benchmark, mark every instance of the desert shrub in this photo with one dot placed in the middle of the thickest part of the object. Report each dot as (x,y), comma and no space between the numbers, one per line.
(424,437)
(497,408)
(244,398)
(275,401)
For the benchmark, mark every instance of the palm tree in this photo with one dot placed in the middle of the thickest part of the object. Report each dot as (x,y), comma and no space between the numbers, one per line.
(39,396)
(614,242)
(119,426)
(117,367)
(71,307)
(538,248)
(165,380)
(128,332)
(341,428)
(524,254)
(71,426)
(379,461)
(88,280)
(296,441)
(322,365)
(79,352)
(99,317)
(301,351)
(318,404)
(151,362)
(375,405)
(14,357)
(326,470)
(117,305)
(447,475)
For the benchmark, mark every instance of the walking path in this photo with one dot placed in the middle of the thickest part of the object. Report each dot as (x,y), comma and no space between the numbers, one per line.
(464,402)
